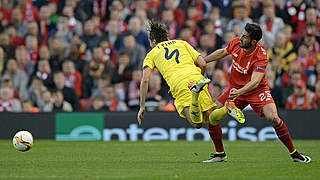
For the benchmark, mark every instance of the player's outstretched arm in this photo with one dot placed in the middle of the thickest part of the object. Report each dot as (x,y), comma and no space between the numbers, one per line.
(143,92)
(201,63)
(216,55)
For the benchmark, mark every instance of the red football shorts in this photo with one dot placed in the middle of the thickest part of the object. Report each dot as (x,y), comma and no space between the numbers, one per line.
(257,99)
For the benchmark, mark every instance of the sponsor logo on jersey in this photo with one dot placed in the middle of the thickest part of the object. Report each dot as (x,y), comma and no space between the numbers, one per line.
(240,69)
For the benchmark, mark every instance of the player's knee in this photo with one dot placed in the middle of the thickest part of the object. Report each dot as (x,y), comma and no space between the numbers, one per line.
(273,119)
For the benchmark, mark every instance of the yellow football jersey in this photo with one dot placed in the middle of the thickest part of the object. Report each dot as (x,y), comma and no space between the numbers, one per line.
(175,60)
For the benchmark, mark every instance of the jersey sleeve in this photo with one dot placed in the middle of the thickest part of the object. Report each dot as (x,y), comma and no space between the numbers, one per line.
(194,54)
(148,61)
(262,62)
(260,66)
(231,44)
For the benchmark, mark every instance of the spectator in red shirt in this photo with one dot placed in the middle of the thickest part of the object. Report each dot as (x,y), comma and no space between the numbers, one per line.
(15,40)
(292,78)
(100,7)
(29,11)
(4,15)
(7,82)
(294,67)
(312,44)
(107,67)
(111,101)
(301,98)
(45,24)
(307,62)
(7,102)
(178,13)
(310,19)
(43,72)
(73,78)
(171,23)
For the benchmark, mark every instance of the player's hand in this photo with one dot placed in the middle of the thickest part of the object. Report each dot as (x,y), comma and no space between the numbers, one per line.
(141,114)
(234,93)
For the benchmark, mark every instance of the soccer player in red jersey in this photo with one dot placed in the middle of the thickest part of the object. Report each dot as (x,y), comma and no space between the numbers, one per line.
(248,85)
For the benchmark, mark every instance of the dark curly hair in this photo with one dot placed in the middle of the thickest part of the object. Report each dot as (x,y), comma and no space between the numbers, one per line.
(157,32)
(254,31)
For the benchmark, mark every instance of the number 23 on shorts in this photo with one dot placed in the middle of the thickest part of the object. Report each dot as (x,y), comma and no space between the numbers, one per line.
(265,96)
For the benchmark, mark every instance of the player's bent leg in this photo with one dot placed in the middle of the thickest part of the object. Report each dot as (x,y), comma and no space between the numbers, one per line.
(196,88)
(218,114)
(235,112)
(221,113)
(271,113)
(186,111)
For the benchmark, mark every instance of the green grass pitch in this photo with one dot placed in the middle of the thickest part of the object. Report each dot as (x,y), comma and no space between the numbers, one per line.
(50,159)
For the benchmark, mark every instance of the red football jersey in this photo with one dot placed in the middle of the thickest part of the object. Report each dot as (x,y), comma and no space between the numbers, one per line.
(245,63)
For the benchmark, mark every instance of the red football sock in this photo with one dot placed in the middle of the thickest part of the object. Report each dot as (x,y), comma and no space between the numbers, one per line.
(284,135)
(216,136)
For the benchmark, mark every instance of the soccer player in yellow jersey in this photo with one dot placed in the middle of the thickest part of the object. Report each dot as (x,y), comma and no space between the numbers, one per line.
(183,67)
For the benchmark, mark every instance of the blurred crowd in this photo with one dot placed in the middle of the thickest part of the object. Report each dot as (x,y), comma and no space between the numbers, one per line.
(86,55)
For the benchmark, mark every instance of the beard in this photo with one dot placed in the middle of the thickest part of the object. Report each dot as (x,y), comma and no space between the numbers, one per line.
(245,46)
